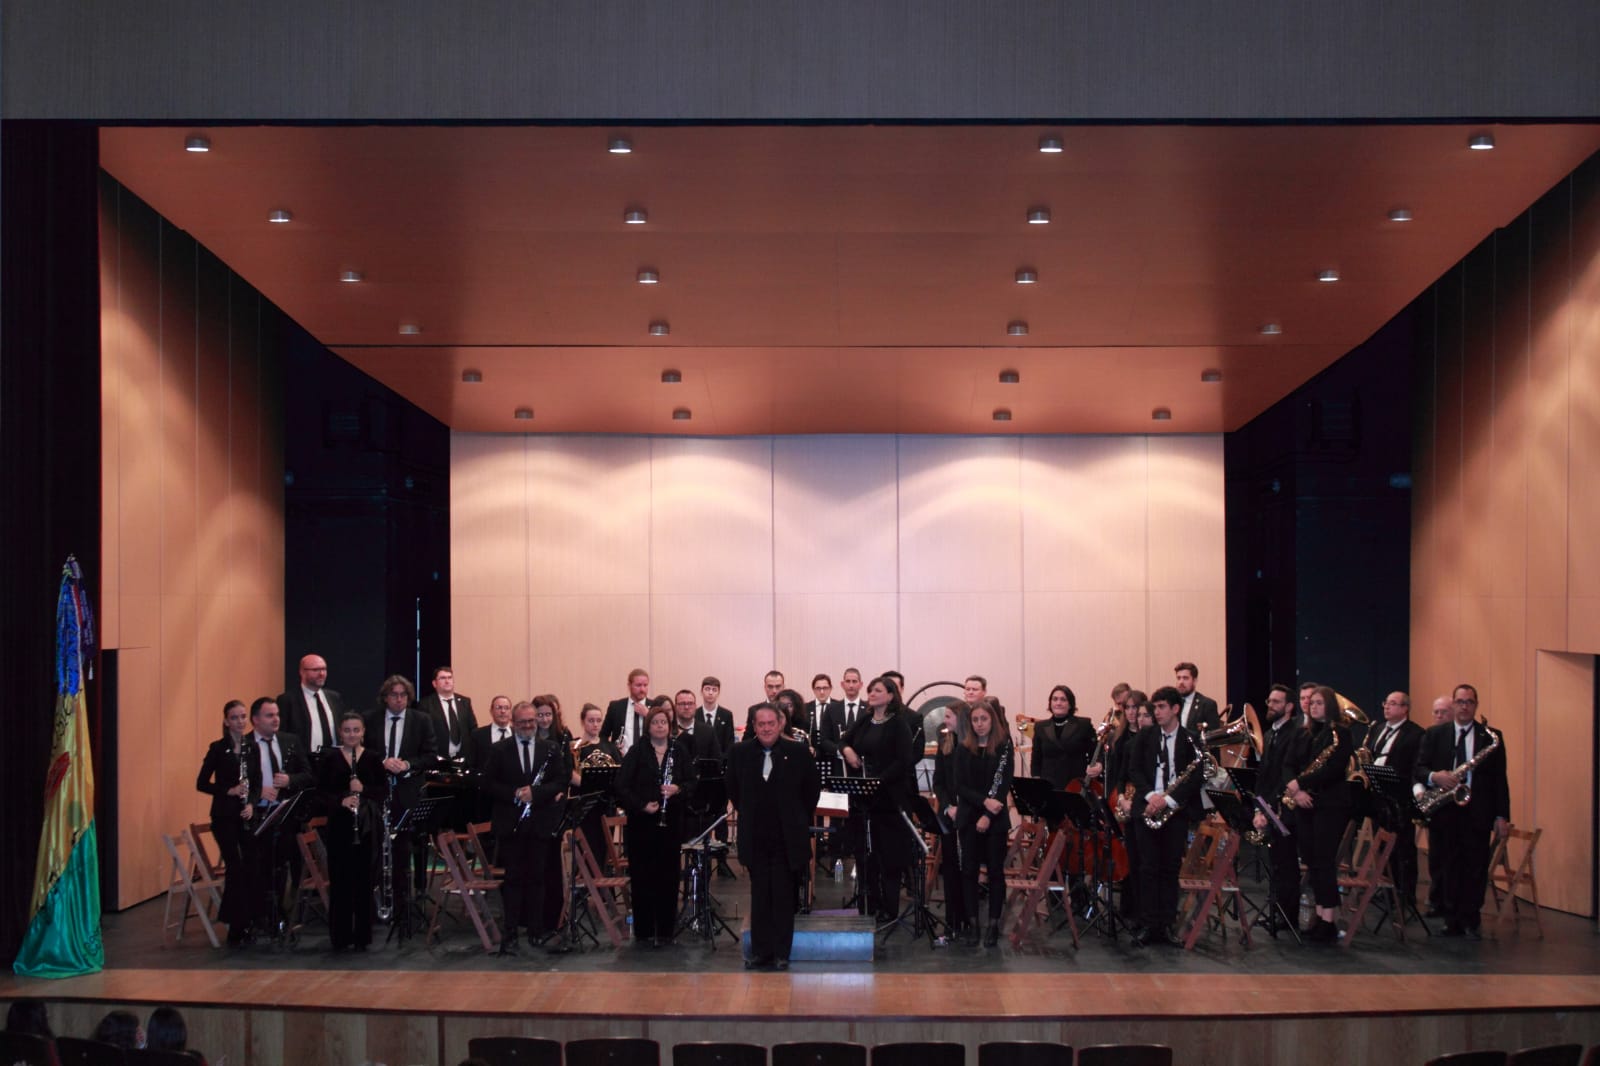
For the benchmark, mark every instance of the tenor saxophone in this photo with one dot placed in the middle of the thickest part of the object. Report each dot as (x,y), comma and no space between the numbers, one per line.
(1316,764)
(1434,798)
(1201,762)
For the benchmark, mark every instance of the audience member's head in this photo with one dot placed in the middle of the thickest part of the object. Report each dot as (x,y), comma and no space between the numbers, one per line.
(120,1029)
(166,1031)
(29,1016)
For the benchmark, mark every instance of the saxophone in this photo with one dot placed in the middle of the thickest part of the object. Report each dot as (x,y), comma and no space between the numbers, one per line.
(1316,764)
(1434,798)
(1201,762)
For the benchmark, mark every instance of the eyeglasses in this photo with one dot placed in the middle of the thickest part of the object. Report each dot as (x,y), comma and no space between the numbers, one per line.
(1466,703)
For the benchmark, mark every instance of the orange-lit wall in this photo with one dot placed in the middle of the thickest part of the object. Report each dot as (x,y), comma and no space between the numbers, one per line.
(1505,575)
(1032,560)
(192,484)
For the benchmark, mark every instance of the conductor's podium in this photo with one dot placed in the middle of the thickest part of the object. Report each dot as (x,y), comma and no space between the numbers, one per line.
(826,937)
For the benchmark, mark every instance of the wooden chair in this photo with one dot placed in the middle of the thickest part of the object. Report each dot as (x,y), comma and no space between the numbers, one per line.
(1369,875)
(616,858)
(202,838)
(75,1052)
(1470,1058)
(613,1051)
(515,1051)
(1030,888)
(185,887)
(25,1049)
(1549,1055)
(1206,877)
(313,890)
(819,1053)
(479,836)
(607,894)
(1024,1053)
(919,1053)
(472,890)
(1125,1055)
(712,1053)
(1504,879)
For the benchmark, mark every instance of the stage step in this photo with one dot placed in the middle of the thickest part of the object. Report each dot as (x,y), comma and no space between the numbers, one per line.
(826,937)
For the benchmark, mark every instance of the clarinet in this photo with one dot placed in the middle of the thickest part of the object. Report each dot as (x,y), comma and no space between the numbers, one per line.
(666,779)
(527,808)
(244,779)
(1000,768)
(355,815)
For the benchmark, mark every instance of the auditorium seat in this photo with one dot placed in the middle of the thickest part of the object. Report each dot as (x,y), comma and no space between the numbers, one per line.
(73,1051)
(25,1049)
(515,1050)
(613,1051)
(819,1053)
(1470,1058)
(1024,1053)
(146,1057)
(920,1053)
(1125,1055)
(1549,1055)
(714,1053)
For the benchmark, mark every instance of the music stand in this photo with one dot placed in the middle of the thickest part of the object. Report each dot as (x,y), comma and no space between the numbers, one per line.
(421,819)
(1240,818)
(596,780)
(862,789)
(699,913)
(577,924)
(917,812)
(1244,779)
(1097,837)
(271,829)
(1395,792)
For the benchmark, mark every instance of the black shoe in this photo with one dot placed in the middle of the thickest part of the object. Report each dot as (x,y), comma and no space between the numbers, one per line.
(558,947)
(1322,932)
(1452,929)
(758,963)
(508,948)
(991,935)
(1435,912)
(1474,933)
(781,964)
(1149,937)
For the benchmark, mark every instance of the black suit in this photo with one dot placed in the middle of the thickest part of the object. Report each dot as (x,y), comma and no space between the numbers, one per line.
(272,862)
(1399,752)
(619,723)
(979,776)
(836,725)
(1061,749)
(1277,746)
(774,834)
(722,726)
(1462,834)
(816,719)
(296,715)
(419,748)
(220,772)
(1161,850)
(484,739)
(433,707)
(529,848)
(1203,716)
(1321,829)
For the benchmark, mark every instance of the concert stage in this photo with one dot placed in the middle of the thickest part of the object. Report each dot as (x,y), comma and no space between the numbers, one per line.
(1273,1002)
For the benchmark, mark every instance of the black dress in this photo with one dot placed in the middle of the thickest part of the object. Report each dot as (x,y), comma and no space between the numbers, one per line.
(944,790)
(1320,830)
(352,842)
(885,751)
(980,775)
(222,769)
(653,837)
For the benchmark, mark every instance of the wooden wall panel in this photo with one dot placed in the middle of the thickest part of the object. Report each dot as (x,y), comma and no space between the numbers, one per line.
(582,647)
(1088,641)
(488,516)
(1188,626)
(497,659)
(588,515)
(1083,512)
(1562,754)
(828,633)
(960,519)
(834,516)
(689,631)
(711,516)
(944,636)
(141,860)
(1185,516)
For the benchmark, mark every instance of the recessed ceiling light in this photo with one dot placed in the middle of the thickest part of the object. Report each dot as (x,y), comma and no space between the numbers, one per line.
(524,414)
(1271,329)
(350,276)
(635,216)
(659,329)
(1211,376)
(681,414)
(280,216)
(671,377)
(1027,276)
(472,377)
(1049,144)
(1481,142)
(409,329)
(1400,214)
(1039,216)
(1009,377)
(1161,414)
(1002,414)
(197,142)
(649,277)
(1328,275)
(619,146)
(1017,329)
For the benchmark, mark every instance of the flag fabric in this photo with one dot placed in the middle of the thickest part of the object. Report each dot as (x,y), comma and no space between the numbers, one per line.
(63,937)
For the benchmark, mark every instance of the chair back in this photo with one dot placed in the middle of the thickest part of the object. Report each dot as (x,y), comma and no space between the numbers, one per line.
(1470,1058)
(25,1049)
(819,1053)
(146,1057)
(613,1051)
(1125,1055)
(515,1051)
(73,1051)
(1024,1053)
(1550,1055)
(919,1053)
(713,1053)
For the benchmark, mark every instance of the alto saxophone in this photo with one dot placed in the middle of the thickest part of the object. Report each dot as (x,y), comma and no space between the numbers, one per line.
(1201,762)
(1434,798)
(1316,764)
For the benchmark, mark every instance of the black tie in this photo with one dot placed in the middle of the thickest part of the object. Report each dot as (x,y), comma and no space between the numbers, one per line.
(500,733)
(328,740)
(455,723)
(1166,763)
(527,760)
(394,726)
(1461,746)
(850,714)
(272,755)
(1383,738)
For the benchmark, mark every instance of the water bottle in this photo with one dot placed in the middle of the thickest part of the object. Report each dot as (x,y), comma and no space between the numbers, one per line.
(838,869)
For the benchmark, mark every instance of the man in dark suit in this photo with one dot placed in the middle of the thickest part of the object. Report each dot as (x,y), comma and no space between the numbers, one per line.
(686,723)
(1197,711)
(1464,833)
(841,718)
(487,736)
(527,777)
(451,714)
(405,737)
(624,722)
(1160,757)
(276,764)
(774,784)
(1395,744)
(311,710)
(817,712)
(720,719)
(771,685)
(1284,730)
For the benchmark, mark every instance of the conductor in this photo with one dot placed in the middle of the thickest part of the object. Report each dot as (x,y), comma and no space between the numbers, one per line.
(773,783)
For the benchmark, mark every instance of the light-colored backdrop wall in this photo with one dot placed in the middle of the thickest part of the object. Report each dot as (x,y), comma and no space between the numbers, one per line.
(1031,560)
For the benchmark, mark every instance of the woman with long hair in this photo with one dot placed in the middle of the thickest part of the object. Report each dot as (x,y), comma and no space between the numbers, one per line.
(354,785)
(983,771)
(880,746)
(223,777)
(1320,797)
(591,718)
(951,735)
(651,784)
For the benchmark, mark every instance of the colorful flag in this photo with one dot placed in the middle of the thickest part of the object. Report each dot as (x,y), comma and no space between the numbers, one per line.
(63,938)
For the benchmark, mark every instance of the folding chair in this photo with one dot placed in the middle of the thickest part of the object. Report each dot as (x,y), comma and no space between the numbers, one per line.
(1034,885)
(1207,874)
(616,858)
(185,887)
(607,894)
(478,836)
(1504,880)
(1369,874)
(471,890)
(313,888)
